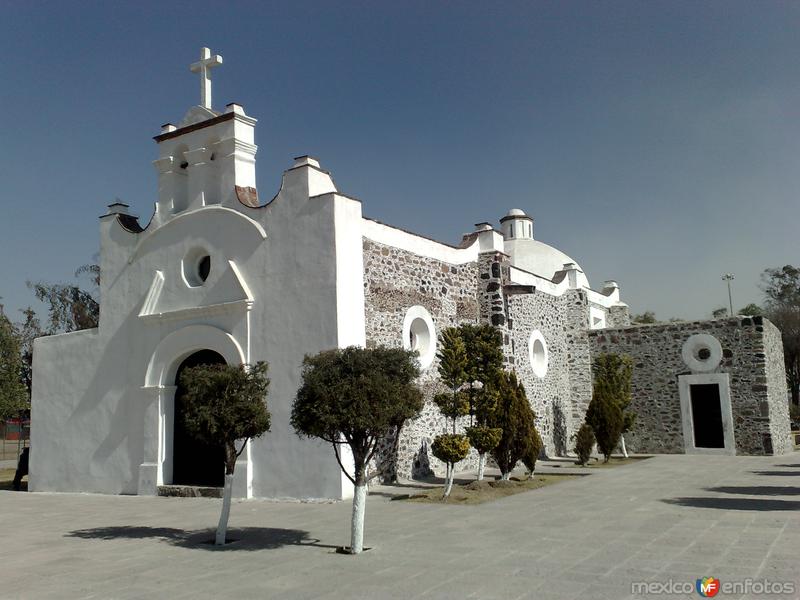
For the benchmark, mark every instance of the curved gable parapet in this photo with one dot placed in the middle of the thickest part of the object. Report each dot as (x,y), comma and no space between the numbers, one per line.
(255,226)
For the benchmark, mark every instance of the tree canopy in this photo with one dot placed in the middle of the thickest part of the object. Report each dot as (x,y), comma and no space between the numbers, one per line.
(781,288)
(13,396)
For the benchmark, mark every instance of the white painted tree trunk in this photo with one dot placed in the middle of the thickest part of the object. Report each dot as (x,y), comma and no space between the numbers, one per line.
(481,465)
(505,476)
(357,524)
(622,442)
(222,527)
(449,480)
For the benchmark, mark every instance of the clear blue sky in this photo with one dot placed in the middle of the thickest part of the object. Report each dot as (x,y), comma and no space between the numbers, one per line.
(657,143)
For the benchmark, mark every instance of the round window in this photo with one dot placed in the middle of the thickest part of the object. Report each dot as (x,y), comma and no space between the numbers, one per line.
(196,267)
(537,353)
(419,334)
(702,352)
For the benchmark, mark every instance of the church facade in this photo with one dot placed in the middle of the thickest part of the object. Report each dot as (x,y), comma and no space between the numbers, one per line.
(219,276)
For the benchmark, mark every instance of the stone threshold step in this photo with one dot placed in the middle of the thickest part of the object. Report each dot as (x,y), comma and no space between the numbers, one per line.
(189,491)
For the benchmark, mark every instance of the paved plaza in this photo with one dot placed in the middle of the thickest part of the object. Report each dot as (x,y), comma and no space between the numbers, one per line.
(666,518)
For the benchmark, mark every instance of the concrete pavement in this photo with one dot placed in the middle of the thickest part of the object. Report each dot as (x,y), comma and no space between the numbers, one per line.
(667,518)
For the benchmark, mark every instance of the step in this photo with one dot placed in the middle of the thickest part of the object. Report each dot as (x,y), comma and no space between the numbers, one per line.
(189,491)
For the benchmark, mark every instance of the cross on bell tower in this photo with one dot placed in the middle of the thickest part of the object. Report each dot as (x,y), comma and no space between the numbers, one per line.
(204,66)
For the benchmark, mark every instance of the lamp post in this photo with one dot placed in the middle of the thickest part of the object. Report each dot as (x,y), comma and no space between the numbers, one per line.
(729,277)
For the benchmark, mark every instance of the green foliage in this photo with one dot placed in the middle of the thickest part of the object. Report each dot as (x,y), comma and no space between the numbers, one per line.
(719,313)
(13,396)
(484,351)
(225,403)
(356,395)
(605,417)
(484,439)
(70,308)
(794,415)
(752,310)
(514,416)
(452,404)
(781,286)
(646,318)
(452,357)
(531,455)
(584,442)
(616,372)
(450,447)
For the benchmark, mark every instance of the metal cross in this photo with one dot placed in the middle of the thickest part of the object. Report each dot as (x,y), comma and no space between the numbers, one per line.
(204,66)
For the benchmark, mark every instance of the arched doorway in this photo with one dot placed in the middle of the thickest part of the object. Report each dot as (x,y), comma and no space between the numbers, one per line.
(195,463)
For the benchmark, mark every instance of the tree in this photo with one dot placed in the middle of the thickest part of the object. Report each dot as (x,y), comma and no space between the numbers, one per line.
(70,308)
(224,404)
(531,455)
(605,418)
(13,396)
(357,396)
(484,352)
(752,310)
(584,442)
(719,313)
(29,330)
(781,288)
(514,416)
(646,318)
(451,448)
(616,371)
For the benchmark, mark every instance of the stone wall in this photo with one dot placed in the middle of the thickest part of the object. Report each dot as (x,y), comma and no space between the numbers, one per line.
(777,393)
(749,357)
(394,281)
(549,395)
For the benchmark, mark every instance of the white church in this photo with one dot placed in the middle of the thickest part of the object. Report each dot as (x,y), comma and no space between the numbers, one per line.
(219,275)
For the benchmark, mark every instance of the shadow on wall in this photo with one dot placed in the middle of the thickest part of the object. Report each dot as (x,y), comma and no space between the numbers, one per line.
(244,538)
(756,504)
(421,468)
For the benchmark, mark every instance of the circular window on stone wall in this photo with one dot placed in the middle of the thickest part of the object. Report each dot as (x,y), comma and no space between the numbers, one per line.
(537,353)
(419,334)
(702,352)
(196,267)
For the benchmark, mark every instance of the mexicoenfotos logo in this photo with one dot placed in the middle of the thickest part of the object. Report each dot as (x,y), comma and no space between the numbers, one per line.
(707,587)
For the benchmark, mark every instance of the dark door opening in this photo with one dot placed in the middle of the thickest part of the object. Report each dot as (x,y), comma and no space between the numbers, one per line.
(193,462)
(707,416)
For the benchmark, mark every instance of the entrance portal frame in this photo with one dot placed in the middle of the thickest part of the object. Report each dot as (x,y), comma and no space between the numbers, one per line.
(159,394)
(684,387)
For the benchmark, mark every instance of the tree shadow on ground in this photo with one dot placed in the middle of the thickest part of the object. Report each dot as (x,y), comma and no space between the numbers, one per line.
(796,466)
(241,538)
(778,473)
(757,504)
(756,490)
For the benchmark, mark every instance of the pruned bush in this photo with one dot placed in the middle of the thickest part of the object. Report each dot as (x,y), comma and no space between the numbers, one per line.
(584,442)
(450,448)
(606,420)
(532,453)
(514,416)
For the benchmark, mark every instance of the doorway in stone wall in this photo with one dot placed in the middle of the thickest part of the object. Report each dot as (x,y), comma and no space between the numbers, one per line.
(706,413)
(194,462)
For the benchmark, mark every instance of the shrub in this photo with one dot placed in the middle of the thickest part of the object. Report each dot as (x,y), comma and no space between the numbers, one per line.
(532,453)
(514,416)
(584,442)
(606,419)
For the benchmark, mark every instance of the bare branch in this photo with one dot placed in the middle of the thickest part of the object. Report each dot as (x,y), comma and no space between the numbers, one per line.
(339,460)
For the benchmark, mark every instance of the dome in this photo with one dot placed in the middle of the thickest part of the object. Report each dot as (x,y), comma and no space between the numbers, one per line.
(540,259)
(516,212)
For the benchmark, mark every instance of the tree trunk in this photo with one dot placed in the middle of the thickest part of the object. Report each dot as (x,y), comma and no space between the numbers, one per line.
(505,476)
(357,523)
(481,465)
(622,445)
(222,527)
(448,481)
